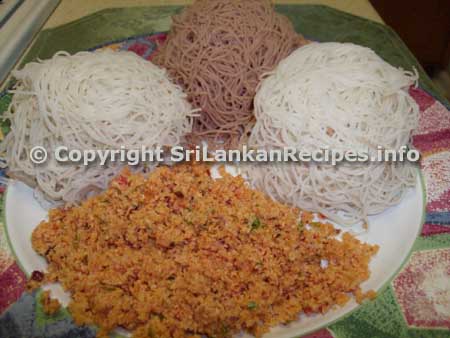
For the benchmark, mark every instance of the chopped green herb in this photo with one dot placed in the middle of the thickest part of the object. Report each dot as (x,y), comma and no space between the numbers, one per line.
(160,316)
(151,333)
(315,224)
(256,224)
(76,241)
(225,330)
(108,287)
(252,305)
(300,226)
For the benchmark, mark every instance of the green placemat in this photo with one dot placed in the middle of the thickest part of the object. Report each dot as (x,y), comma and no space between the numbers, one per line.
(320,23)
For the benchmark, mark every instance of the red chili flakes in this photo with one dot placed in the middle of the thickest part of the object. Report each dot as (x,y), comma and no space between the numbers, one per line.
(37,276)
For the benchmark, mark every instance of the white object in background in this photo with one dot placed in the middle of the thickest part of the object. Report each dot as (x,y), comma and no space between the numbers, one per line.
(23,21)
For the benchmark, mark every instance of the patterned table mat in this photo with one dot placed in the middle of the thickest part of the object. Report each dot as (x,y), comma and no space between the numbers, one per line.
(416,303)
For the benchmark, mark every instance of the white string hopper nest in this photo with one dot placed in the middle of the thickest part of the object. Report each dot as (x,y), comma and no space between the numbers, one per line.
(337,96)
(90,100)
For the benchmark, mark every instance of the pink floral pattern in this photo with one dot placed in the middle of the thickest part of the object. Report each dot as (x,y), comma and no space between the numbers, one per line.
(320,334)
(12,284)
(432,139)
(423,289)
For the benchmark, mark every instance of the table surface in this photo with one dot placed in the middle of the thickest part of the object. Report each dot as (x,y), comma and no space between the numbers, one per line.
(70,10)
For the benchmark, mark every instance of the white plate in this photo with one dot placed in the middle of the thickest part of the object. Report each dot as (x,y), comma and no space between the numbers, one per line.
(395,231)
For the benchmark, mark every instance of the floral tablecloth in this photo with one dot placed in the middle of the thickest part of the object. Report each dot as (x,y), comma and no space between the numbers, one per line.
(416,303)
